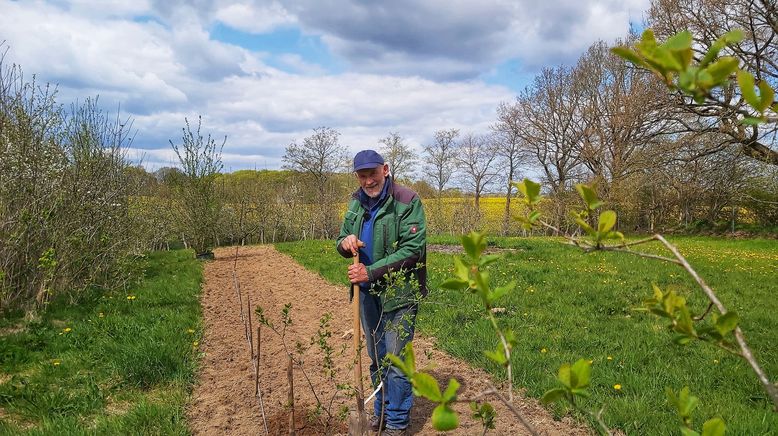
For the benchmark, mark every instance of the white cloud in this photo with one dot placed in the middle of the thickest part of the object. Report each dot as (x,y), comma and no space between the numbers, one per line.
(254,18)
(156,60)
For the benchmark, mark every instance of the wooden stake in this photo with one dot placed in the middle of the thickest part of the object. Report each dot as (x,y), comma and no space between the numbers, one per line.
(251,330)
(256,376)
(290,379)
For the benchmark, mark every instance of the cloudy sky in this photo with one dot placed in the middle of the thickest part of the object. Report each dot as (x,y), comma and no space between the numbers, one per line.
(265,73)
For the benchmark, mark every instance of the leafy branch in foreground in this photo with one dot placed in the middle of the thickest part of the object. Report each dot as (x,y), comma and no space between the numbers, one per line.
(668,305)
(673,62)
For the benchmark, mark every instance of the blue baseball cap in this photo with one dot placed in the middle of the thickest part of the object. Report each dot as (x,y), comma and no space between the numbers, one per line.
(367,159)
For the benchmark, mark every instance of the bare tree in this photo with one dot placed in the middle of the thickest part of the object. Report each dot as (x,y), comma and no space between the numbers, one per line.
(320,156)
(758,53)
(624,117)
(476,156)
(510,150)
(439,158)
(553,127)
(400,157)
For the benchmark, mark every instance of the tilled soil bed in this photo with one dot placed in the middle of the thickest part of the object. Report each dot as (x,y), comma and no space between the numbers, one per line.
(223,401)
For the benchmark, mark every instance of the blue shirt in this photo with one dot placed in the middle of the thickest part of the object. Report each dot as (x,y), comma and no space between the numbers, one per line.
(366,234)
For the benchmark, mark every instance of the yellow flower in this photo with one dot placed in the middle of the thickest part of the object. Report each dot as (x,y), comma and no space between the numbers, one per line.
(544,350)
(190,331)
(715,360)
(610,358)
(56,362)
(101,314)
(195,343)
(617,387)
(67,329)
(130,297)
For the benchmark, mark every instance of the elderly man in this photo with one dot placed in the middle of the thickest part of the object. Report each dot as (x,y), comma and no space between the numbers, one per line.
(385,222)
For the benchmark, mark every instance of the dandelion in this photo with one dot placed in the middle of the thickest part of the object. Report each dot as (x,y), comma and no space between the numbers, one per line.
(617,387)
(543,350)
(610,357)
(67,330)
(101,315)
(131,297)
(715,360)
(56,362)
(190,331)
(195,343)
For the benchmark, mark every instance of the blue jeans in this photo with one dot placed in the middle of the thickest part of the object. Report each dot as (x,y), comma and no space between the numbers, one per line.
(388,333)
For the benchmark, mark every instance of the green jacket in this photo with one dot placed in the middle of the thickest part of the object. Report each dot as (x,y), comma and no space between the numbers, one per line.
(399,244)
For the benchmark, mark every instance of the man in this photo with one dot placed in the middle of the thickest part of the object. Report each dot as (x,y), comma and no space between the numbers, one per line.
(385,223)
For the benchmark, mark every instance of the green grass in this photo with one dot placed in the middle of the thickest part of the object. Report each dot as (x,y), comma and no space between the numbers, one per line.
(577,305)
(109,365)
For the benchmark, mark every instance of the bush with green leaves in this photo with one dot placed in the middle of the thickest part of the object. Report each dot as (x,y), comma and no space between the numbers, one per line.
(199,199)
(65,223)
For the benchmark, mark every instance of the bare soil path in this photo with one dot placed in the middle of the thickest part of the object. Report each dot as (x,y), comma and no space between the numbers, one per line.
(223,401)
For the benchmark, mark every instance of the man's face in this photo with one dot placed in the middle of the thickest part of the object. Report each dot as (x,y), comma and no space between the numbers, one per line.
(372,180)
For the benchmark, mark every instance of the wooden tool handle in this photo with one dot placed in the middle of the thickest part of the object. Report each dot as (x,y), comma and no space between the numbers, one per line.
(357,340)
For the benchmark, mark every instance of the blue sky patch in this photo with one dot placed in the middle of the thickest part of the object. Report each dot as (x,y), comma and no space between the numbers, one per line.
(287,40)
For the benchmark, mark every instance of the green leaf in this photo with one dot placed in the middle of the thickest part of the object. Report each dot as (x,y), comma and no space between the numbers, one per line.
(497,356)
(687,402)
(733,36)
(582,370)
(534,216)
(553,395)
(746,82)
(665,59)
(714,427)
(461,270)
(682,339)
(580,392)
(454,284)
(722,69)
(474,244)
(410,357)
(469,244)
(501,290)
(679,41)
(766,94)
(450,394)
(444,418)
(606,221)
(488,259)
(751,121)
(399,364)
(686,431)
(687,79)
(565,375)
(589,196)
(584,225)
(684,322)
(727,322)
(629,55)
(426,386)
(531,191)
(658,295)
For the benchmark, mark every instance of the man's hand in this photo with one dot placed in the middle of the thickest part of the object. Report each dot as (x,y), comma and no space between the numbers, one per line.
(352,244)
(357,273)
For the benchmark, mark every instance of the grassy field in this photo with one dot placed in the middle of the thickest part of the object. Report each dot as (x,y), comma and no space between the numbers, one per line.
(569,305)
(118,363)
